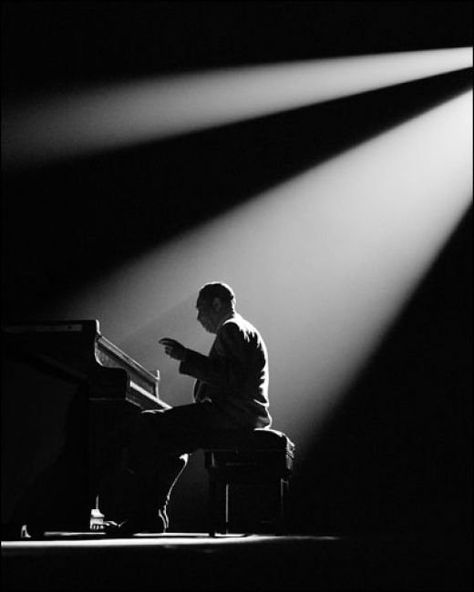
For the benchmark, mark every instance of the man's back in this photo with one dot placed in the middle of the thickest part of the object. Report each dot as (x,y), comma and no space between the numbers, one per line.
(235,374)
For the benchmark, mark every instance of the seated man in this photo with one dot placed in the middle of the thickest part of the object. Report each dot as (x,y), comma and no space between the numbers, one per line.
(230,393)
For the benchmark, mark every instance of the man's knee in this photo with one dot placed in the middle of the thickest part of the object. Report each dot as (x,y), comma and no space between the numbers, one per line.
(146,419)
(141,428)
(146,414)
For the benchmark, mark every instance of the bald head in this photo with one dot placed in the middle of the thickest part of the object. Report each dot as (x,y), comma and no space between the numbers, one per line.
(215,304)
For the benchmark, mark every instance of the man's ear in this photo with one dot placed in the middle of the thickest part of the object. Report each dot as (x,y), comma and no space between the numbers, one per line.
(216,304)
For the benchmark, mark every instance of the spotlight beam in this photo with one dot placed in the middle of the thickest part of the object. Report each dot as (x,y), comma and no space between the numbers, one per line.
(323,263)
(65,125)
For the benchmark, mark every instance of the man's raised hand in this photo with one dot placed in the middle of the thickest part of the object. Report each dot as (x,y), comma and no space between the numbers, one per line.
(173,348)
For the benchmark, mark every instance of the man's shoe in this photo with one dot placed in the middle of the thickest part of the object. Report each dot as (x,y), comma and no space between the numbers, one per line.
(156,525)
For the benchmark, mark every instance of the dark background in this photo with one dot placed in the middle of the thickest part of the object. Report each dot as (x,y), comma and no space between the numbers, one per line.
(400,464)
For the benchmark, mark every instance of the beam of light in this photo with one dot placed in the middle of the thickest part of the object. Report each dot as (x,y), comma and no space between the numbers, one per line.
(109,117)
(322,264)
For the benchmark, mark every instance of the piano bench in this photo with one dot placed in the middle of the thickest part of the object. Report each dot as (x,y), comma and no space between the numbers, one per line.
(259,458)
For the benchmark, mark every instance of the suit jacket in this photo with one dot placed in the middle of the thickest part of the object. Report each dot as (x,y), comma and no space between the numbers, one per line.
(234,376)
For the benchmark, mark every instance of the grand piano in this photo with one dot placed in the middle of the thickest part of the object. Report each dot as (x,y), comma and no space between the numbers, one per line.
(66,390)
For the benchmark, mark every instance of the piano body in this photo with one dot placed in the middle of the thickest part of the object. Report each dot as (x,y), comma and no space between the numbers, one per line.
(65,389)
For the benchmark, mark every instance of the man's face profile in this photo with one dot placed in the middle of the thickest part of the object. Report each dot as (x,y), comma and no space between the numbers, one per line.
(206,315)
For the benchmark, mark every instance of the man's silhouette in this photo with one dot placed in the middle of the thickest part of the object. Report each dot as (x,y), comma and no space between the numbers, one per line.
(230,394)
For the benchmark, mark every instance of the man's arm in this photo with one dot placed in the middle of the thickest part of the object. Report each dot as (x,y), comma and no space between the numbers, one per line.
(225,366)
(174,349)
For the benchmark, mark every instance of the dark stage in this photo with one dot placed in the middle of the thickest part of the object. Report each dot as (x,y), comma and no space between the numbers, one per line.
(126,233)
(196,562)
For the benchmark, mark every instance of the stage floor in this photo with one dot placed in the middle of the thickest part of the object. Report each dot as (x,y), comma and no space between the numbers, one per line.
(195,561)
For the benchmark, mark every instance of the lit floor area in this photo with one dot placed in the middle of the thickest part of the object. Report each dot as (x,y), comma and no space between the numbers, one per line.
(195,561)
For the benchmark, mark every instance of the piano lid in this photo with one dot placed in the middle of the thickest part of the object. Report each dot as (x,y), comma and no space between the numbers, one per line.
(77,347)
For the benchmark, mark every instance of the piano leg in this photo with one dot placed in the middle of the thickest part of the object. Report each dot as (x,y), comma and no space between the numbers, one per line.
(58,496)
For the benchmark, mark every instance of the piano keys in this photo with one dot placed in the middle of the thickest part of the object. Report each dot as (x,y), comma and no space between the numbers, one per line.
(65,387)
(77,349)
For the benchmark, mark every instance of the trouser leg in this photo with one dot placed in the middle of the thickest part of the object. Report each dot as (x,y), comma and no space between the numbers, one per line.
(128,493)
(156,486)
(140,481)
(155,454)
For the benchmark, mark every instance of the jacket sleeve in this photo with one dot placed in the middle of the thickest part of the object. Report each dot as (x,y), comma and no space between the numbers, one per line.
(225,367)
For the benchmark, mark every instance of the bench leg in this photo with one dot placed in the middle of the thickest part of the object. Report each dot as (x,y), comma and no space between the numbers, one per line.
(226,495)
(212,510)
(281,518)
(217,490)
